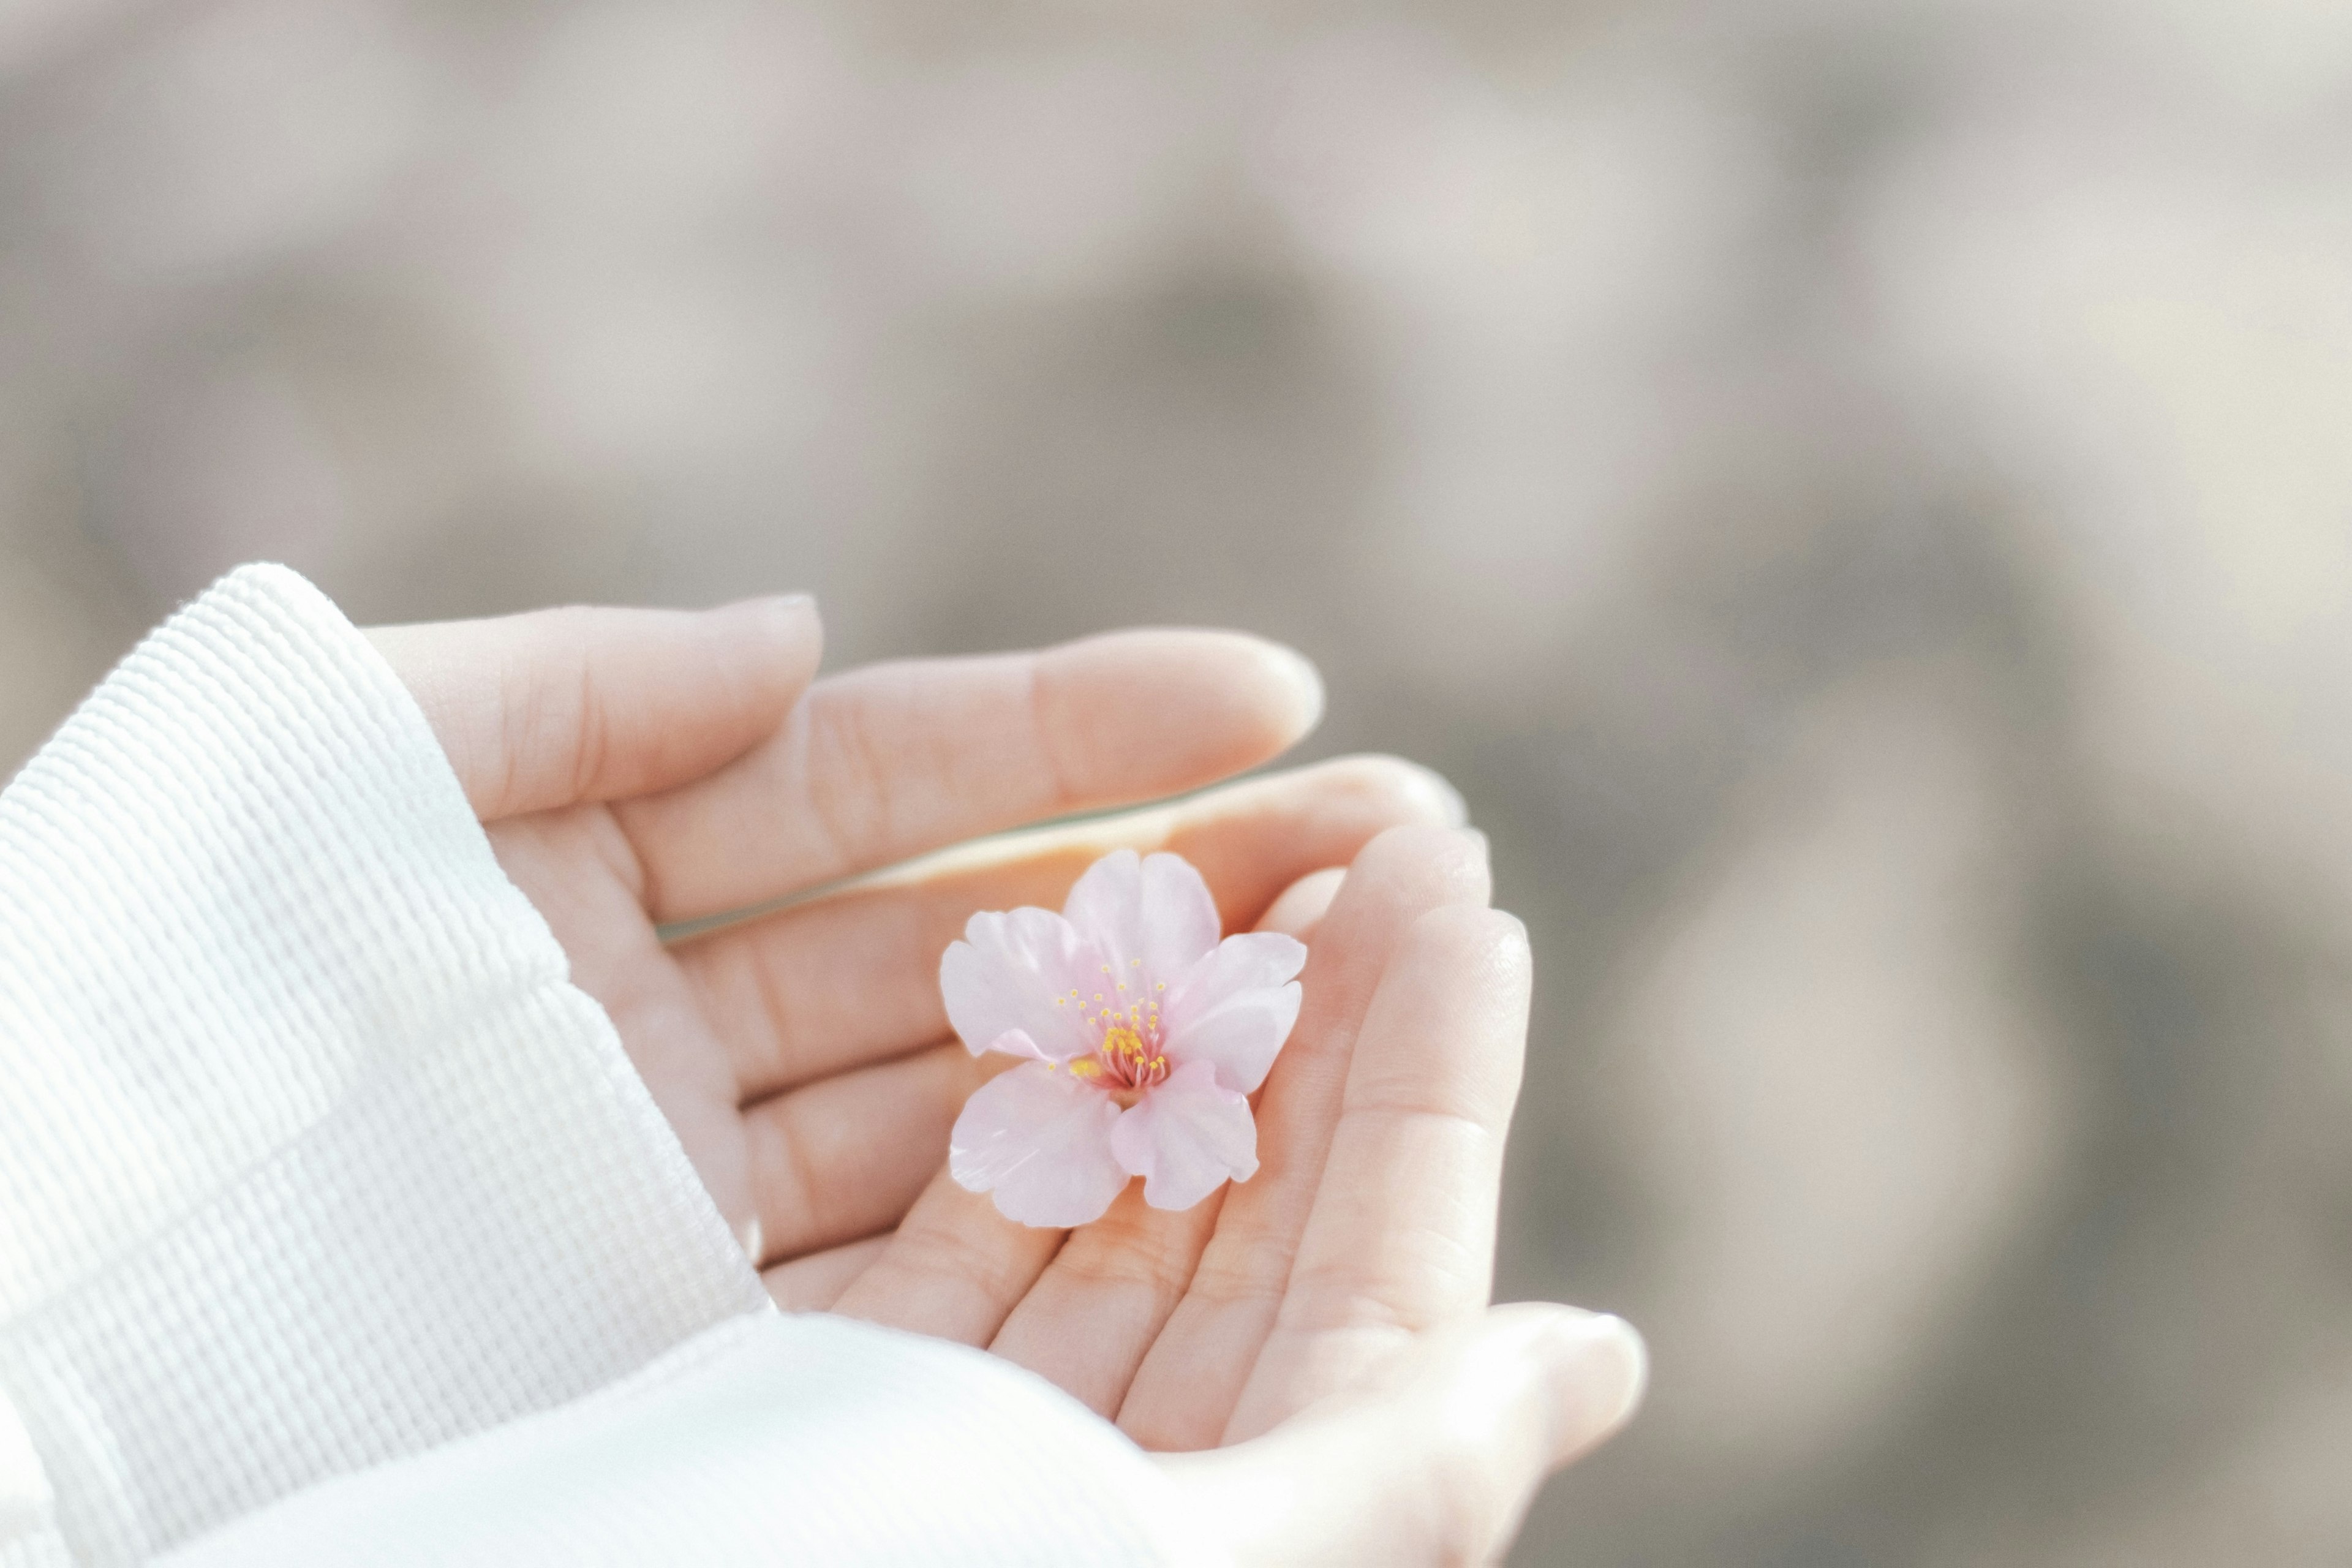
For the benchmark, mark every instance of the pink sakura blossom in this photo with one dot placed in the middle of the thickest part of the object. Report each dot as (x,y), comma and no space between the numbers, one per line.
(1145,1036)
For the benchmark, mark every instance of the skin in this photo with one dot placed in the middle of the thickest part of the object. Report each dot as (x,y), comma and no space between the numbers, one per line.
(1313,1349)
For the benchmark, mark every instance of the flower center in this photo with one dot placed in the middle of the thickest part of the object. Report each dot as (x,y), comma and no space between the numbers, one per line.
(1127,1060)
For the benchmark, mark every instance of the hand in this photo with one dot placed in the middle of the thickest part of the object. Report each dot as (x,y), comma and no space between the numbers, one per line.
(638,769)
(1403,1421)
(1324,1327)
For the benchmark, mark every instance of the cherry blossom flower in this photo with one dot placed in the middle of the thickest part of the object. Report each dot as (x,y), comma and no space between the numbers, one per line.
(1145,1036)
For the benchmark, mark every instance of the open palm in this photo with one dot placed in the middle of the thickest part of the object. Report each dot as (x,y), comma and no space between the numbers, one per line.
(643,771)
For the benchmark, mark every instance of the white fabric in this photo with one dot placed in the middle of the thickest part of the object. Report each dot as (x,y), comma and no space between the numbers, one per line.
(687,1464)
(312,1159)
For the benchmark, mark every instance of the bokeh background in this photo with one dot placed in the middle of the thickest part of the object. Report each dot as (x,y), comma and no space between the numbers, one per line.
(1859,495)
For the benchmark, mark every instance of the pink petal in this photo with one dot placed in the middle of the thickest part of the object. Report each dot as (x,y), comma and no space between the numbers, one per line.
(1187,1138)
(1154,908)
(1235,1007)
(1015,1043)
(1004,977)
(1041,1144)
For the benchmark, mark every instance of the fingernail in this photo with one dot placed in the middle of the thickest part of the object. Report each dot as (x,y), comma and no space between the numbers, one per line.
(1306,681)
(1598,1368)
(767,607)
(1485,850)
(784,617)
(1439,795)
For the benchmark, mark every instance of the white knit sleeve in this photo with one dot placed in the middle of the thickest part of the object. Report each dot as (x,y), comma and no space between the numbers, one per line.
(314,1164)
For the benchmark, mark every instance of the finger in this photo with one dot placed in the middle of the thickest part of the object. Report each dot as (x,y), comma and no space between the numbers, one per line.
(1191,1382)
(1086,1322)
(823,986)
(1441,1466)
(847,1156)
(953,1270)
(813,1283)
(1095,1312)
(896,760)
(558,706)
(1403,1233)
(1300,910)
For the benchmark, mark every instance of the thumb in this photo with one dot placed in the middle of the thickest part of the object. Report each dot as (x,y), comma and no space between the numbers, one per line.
(1438,1465)
(558,706)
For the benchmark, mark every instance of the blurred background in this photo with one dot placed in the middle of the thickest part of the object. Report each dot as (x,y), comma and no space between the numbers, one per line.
(1858,495)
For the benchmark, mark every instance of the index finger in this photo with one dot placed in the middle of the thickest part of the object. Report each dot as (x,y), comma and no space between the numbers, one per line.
(895,759)
(1185,1393)
(1401,1239)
